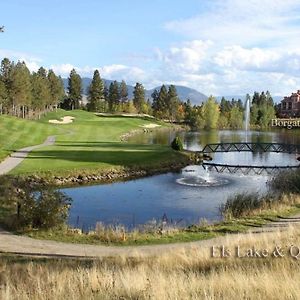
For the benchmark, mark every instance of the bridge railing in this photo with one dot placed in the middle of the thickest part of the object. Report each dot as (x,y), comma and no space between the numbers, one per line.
(246,169)
(252,147)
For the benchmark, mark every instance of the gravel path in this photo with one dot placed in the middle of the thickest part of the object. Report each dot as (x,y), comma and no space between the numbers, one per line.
(17,157)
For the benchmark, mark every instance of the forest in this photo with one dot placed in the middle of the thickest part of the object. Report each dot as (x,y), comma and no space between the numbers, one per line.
(26,94)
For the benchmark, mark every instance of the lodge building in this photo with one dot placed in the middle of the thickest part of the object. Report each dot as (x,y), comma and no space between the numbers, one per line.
(290,106)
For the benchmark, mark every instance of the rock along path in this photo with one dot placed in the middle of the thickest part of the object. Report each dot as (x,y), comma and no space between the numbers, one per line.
(18,156)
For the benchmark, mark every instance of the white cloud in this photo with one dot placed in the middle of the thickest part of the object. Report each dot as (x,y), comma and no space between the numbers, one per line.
(131,74)
(186,57)
(254,45)
(32,62)
(245,23)
(63,69)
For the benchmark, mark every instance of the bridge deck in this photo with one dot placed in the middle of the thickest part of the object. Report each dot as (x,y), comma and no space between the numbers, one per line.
(246,169)
(252,147)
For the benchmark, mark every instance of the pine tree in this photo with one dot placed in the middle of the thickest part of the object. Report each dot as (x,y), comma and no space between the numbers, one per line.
(96,93)
(114,96)
(123,92)
(139,97)
(42,72)
(187,111)
(74,89)
(40,93)
(45,86)
(172,103)
(154,97)
(162,102)
(56,87)
(5,76)
(3,96)
(20,92)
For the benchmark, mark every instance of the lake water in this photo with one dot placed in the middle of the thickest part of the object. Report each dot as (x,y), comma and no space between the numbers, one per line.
(171,195)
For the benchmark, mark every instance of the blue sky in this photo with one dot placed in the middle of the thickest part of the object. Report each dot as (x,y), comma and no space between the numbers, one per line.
(218,47)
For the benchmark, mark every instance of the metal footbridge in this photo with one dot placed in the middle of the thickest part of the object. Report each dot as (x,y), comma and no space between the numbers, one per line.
(250,147)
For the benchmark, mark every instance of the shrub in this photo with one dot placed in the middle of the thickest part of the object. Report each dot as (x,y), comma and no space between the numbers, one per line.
(38,207)
(240,205)
(177,144)
(286,182)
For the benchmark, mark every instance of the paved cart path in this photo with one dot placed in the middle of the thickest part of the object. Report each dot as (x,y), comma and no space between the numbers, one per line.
(17,244)
(18,156)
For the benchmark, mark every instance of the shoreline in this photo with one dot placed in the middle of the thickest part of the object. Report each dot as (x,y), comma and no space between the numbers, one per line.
(90,177)
(106,176)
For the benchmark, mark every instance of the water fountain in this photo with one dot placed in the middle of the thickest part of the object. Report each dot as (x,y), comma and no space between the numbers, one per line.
(247,117)
(197,176)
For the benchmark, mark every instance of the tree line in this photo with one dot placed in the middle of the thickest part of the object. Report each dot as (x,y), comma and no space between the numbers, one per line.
(29,95)
(230,113)
(25,94)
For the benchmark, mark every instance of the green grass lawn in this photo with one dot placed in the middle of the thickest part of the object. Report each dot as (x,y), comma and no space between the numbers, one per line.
(16,133)
(89,143)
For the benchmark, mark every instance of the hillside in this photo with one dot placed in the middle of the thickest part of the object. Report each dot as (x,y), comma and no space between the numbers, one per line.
(184,92)
(17,133)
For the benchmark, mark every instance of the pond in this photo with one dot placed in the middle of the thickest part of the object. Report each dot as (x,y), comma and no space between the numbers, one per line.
(182,198)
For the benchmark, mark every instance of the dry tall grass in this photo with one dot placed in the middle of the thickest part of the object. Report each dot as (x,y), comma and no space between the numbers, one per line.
(189,273)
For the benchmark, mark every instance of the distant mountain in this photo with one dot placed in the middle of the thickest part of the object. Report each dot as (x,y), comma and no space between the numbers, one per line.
(183,92)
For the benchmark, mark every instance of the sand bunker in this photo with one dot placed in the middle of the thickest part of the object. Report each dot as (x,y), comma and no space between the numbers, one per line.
(151,125)
(64,120)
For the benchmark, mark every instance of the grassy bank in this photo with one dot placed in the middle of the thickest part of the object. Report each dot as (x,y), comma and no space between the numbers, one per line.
(89,144)
(16,133)
(290,205)
(189,273)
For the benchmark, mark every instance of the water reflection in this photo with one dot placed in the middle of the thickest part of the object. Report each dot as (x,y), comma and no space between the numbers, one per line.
(138,201)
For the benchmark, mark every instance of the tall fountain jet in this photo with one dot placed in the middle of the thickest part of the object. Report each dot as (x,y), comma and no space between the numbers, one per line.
(247,116)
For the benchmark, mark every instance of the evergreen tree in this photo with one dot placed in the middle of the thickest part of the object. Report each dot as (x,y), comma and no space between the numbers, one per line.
(5,77)
(256,98)
(114,96)
(20,90)
(40,92)
(162,101)
(96,93)
(172,103)
(188,111)
(154,97)
(47,100)
(123,92)
(74,89)
(138,97)
(225,106)
(269,99)
(42,72)
(56,89)
(3,97)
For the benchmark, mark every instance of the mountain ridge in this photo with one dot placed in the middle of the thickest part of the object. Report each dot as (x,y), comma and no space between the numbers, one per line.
(183,92)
